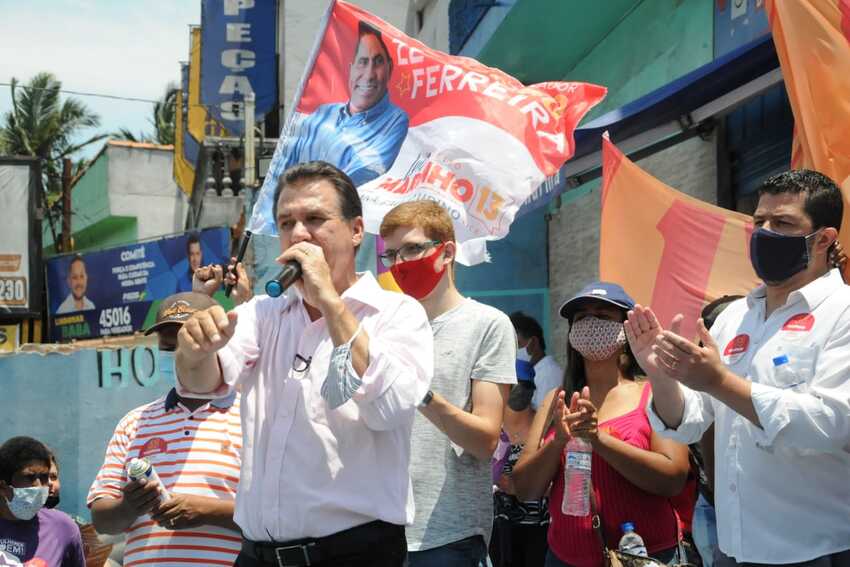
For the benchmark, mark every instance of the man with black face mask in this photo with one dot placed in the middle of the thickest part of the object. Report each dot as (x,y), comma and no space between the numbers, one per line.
(29,533)
(774,377)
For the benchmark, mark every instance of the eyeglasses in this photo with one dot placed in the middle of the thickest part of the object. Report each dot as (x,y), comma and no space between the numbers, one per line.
(301,364)
(407,252)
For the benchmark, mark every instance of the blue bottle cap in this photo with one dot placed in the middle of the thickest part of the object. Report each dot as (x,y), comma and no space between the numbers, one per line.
(780,360)
(273,288)
(627,527)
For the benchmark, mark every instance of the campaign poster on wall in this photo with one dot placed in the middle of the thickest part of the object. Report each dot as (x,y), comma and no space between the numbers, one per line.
(18,231)
(116,291)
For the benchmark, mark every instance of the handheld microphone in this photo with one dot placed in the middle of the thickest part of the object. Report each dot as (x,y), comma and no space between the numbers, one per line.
(291,271)
(242,248)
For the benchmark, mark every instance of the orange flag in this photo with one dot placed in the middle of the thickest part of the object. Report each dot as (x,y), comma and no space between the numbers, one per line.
(667,249)
(812,40)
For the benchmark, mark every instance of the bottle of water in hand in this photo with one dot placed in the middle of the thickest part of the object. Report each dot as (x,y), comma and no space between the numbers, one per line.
(576,500)
(631,542)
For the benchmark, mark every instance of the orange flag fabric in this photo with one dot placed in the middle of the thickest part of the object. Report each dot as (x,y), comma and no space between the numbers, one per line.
(668,250)
(812,39)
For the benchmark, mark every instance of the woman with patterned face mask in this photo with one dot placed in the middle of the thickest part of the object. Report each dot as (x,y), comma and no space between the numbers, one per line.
(634,471)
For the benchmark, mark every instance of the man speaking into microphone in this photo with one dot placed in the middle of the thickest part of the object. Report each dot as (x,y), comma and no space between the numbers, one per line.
(330,376)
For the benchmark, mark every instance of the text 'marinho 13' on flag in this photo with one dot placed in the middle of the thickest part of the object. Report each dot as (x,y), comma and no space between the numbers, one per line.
(407,122)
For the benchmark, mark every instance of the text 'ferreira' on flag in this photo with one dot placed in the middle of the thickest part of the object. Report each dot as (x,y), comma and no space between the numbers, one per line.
(407,122)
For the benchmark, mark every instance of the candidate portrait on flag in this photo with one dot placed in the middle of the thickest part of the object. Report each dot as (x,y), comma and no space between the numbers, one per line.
(407,122)
(363,135)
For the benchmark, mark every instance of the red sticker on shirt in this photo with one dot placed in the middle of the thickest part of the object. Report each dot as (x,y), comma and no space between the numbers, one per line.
(800,322)
(737,345)
(154,446)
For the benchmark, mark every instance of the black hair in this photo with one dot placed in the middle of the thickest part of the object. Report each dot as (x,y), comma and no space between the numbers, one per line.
(75,259)
(711,311)
(17,452)
(528,327)
(823,201)
(53,459)
(350,206)
(364,28)
(192,239)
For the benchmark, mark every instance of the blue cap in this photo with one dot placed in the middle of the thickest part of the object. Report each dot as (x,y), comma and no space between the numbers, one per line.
(628,527)
(601,291)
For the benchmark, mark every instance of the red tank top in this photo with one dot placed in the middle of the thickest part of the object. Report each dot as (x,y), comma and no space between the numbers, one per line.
(572,538)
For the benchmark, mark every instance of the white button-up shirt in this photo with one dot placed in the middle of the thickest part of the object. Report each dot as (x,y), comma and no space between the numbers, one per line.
(782,491)
(307,470)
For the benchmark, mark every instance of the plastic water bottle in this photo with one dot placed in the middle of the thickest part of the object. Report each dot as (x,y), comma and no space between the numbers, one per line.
(783,375)
(576,501)
(631,542)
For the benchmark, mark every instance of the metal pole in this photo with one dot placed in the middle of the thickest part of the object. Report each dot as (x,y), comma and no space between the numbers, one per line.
(66,205)
(250,174)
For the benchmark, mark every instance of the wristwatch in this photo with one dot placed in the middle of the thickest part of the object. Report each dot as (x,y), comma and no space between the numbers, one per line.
(427,399)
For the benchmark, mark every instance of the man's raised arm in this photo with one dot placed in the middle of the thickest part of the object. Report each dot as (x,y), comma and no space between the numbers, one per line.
(199,339)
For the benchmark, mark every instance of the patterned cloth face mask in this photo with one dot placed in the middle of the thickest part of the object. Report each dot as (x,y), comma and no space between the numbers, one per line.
(597,339)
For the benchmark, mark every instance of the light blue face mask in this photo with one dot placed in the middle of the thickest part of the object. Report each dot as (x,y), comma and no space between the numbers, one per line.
(166,366)
(26,502)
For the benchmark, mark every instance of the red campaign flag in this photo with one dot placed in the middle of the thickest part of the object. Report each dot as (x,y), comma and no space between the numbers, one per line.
(407,122)
(670,251)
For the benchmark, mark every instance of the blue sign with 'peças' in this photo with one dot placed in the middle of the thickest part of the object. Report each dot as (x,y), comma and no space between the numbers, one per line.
(238,57)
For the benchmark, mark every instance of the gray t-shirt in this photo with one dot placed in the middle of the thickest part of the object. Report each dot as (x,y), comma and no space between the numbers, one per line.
(453,492)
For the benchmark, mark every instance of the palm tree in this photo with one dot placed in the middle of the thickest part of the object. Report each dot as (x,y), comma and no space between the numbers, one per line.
(42,125)
(164,115)
(127,135)
(162,119)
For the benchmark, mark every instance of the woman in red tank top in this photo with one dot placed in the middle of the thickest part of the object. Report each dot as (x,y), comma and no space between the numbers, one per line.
(634,471)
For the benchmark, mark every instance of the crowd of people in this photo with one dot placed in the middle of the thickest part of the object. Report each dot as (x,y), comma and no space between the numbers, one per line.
(345,425)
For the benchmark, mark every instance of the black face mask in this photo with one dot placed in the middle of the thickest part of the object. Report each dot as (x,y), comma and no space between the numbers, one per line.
(52,501)
(776,257)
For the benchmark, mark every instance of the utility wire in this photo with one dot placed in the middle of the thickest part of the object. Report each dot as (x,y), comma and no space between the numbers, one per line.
(78,93)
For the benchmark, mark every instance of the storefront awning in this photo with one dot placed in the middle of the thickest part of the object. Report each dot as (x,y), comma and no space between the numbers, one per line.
(679,110)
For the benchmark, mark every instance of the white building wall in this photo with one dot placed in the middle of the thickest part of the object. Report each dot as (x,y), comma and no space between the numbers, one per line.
(141,185)
(433,17)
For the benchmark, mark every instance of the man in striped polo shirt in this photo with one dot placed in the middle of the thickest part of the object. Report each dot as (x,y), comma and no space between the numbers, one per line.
(195,448)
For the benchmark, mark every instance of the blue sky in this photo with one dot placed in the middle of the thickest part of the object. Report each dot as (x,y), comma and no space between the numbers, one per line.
(129,48)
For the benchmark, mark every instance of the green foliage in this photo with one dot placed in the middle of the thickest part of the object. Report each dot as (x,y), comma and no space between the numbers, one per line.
(162,119)
(43,125)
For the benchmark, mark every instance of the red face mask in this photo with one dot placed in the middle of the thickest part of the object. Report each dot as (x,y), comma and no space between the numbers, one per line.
(417,278)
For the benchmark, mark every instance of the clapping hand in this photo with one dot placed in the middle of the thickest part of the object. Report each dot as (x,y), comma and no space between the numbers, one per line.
(642,330)
(697,366)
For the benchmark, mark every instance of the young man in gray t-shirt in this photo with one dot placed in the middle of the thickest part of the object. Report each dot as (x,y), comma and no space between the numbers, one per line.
(457,428)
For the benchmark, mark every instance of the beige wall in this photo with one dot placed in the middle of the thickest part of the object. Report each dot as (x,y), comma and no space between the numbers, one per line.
(141,185)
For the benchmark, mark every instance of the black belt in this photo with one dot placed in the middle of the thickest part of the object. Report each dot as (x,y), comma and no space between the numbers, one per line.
(310,551)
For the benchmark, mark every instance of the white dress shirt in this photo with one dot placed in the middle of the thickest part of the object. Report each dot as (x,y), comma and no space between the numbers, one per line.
(307,470)
(548,375)
(782,491)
